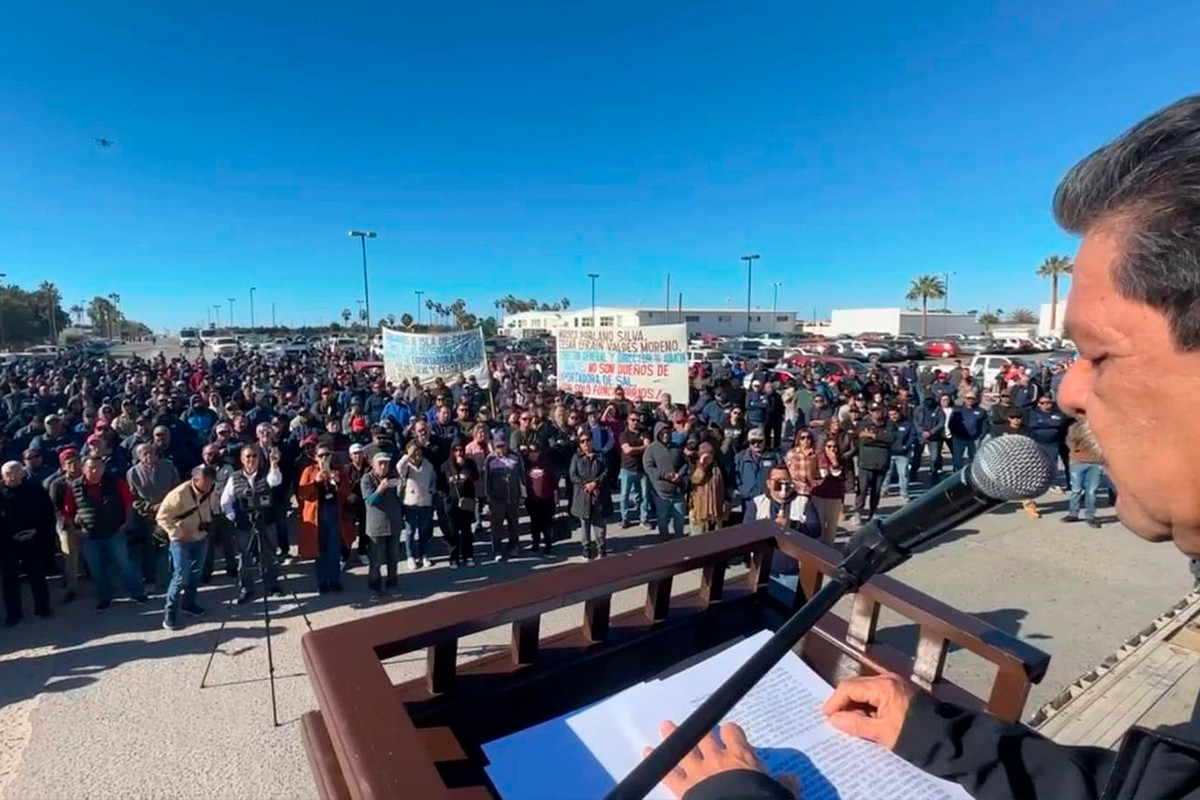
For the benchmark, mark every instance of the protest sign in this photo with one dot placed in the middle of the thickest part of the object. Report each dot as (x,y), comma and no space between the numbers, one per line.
(645,361)
(434,355)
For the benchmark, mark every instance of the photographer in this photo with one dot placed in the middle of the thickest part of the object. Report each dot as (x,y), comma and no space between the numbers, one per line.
(246,501)
(186,516)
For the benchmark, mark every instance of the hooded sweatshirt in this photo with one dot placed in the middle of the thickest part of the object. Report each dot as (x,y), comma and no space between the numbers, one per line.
(660,459)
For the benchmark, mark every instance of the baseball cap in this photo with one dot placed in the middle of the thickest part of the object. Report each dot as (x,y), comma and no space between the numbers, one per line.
(755,435)
(382,455)
(355,448)
(308,441)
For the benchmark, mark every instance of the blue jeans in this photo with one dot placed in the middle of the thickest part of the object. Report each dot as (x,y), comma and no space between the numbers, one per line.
(900,466)
(958,446)
(418,529)
(639,483)
(1085,480)
(187,560)
(105,554)
(329,545)
(669,510)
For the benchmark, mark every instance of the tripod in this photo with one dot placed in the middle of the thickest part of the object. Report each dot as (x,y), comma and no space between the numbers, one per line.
(254,550)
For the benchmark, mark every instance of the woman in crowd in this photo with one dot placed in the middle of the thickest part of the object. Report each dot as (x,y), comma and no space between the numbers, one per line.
(829,491)
(541,497)
(462,500)
(708,500)
(588,473)
(326,521)
(384,520)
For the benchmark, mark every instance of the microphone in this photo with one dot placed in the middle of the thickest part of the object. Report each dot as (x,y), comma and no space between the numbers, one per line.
(1009,467)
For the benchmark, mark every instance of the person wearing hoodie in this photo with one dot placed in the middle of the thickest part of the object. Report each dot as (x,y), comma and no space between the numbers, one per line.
(750,470)
(26,536)
(666,469)
(775,415)
(756,405)
(149,481)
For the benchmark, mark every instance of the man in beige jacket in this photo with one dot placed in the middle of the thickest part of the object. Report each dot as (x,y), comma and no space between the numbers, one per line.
(186,515)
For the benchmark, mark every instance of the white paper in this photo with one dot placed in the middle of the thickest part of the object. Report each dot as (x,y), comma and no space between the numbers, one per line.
(781,716)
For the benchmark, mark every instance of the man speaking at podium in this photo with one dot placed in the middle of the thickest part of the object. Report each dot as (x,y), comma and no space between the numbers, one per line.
(1134,313)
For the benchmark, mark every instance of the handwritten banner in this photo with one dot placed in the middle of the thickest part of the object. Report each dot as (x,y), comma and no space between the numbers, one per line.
(645,361)
(434,355)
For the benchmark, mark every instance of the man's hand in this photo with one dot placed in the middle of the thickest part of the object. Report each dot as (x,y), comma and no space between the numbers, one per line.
(713,755)
(871,708)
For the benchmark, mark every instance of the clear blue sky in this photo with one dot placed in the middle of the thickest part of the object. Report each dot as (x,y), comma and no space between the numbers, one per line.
(515,146)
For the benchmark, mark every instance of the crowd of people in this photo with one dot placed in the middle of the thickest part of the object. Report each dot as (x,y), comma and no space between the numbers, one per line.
(142,473)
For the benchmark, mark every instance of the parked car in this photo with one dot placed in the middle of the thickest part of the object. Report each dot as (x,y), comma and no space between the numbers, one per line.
(830,365)
(224,346)
(341,344)
(941,348)
(44,351)
(988,366)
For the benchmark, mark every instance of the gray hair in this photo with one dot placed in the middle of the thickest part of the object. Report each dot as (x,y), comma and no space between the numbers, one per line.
(1146,184)
(12,466)
(141,449)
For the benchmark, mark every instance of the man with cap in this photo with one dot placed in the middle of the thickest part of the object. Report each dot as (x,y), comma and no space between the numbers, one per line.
(875,435)
(222,534)
(26,536)
(756,405)
(504,488)
(150,479)
(246,502)
(418,491)
(69,469)
(384,520)
(355,470)
(186,515)
(35,466)
(398,411)
(667,472)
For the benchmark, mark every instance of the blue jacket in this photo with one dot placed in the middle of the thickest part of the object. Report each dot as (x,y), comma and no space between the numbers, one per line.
(969,423)
(756,408)
(939,388)
(925,417)
(905,439)
(714,412)
(602,439)
(1047,427)
(751,474)
(1023,397)
(399,413)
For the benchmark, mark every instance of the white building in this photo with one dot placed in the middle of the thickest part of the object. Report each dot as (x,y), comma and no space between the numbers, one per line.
(1044,328)
(855,321)
(720,322)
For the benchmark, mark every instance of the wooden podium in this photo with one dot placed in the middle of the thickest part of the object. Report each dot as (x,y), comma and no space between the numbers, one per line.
(373,740)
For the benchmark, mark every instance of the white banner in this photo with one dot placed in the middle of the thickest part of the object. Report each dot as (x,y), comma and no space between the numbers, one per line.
(434,355)
(645,361)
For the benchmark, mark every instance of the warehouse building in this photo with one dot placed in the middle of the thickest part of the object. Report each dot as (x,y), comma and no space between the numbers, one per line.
(856,321)
(718,322)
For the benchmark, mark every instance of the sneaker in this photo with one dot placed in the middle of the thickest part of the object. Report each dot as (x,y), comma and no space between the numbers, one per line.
(497,559)
(170,624)
(453,565)
(193,611)
(1070,518)
(412,563)
(245,597)
(1093,523)
(626,524)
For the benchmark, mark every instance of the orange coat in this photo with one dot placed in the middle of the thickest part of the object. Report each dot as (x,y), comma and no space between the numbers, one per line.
(306,493)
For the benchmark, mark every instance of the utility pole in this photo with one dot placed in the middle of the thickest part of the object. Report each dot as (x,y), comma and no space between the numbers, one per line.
(230,313)
(668,297)
(946,286)
(419,292)
(749,258)
(362,237)
(775,302)
(251,309)
(273,314)
(217,311)
(593,276)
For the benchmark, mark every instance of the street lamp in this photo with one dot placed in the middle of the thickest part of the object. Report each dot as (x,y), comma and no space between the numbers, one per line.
(230,313)
(2,276)
(419,292)
(749,259)
(217,311)
(593,276)
(362,237)
(360,310)
(946,293)
(251,309)
(775,302)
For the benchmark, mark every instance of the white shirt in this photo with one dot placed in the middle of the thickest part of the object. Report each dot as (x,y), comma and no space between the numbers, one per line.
(228,507)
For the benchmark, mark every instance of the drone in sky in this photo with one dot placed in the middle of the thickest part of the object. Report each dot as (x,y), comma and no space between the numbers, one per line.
(104,142)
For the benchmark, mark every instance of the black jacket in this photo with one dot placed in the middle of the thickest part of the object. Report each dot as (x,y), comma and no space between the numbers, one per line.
(993,760)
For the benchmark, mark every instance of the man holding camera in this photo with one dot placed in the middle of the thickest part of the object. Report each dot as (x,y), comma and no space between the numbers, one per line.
(247,501)
(186,516)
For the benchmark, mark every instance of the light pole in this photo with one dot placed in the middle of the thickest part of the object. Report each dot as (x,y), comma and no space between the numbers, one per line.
(419,292)
(362,237)
(217,311)
(251,309)
(749,259)
(593,276)
(273,314)
(360,310)
(775,302)
(946,286)
(3,275)
(116,301)
(230,313)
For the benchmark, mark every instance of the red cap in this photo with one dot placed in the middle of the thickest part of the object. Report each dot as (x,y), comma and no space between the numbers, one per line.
(101,424)
(358,424)
(309,441)
(66,454)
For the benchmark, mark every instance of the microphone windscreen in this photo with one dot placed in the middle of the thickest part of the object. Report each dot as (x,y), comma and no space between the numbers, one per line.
(1011,467)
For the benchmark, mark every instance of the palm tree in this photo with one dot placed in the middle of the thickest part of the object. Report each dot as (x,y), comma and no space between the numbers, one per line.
(988,319)
(565,303)
(391,320)
(1023,316)
(429,306)
(77,311)
(926,288)
(1054,268)
(346,315)
(406,320)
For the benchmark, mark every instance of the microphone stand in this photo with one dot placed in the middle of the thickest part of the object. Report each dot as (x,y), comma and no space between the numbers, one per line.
(869,554)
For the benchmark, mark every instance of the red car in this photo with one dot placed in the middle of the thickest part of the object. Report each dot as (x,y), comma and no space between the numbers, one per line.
(942,348)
